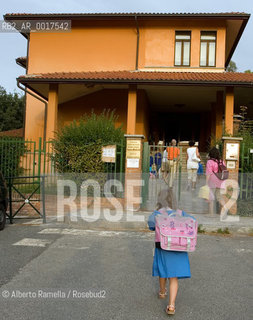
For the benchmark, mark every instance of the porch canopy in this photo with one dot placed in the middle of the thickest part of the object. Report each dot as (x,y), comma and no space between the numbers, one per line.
(219,93)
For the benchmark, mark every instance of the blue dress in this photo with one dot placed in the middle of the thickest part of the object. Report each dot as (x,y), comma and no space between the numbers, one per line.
(169,264)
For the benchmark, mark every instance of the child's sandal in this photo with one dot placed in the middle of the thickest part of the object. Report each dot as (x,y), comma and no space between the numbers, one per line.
(162,295)
(170,310)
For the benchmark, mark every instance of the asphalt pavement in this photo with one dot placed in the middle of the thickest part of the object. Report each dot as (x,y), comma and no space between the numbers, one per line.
(55,271)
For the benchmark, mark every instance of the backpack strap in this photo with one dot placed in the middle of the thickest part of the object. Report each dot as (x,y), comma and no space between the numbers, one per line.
(216,160)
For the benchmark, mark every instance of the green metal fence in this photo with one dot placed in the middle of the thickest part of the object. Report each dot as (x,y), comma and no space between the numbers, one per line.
(19,157)
(246,172)
(28,158)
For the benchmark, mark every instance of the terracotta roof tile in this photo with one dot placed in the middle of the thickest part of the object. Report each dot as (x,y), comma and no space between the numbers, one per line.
(142,76)
(119,14)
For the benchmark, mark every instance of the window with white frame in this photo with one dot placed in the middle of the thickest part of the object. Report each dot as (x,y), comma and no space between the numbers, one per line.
(208,49)
(182,48)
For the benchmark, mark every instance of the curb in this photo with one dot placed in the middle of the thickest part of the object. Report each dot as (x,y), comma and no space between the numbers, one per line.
(102,224)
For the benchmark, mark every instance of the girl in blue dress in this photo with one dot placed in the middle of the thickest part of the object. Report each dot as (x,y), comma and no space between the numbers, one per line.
(172,265)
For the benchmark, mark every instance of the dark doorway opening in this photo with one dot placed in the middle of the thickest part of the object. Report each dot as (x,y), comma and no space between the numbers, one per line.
(180,126)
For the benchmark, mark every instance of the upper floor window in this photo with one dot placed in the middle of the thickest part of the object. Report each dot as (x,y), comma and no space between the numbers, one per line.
(182,48)
(207,49)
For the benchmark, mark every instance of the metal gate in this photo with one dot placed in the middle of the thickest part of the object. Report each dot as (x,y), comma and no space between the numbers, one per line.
(159,173)
(24,164)
(246,172)
(26,191)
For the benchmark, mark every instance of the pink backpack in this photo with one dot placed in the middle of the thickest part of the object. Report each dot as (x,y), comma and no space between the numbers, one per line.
(176,232)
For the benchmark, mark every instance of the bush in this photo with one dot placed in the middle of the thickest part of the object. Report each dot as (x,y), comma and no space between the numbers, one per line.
(92,128)
(78,146)
(86,158)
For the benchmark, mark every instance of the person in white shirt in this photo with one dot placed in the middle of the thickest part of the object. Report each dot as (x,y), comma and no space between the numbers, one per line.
(193,159)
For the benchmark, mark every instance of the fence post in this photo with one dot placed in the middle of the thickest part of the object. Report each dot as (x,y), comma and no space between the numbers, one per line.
(145,173)
(39,157)
(179,174)
(10,200)
(43,198)
(122,169)
(241,170)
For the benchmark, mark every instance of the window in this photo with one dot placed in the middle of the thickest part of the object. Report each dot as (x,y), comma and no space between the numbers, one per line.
(182,48)
(207,49)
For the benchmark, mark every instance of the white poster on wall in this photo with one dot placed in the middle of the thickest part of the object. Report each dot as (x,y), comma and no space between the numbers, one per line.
(232,151)
(133,163)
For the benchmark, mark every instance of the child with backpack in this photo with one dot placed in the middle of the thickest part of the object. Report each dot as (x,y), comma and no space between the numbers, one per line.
(216,173)
(168,264)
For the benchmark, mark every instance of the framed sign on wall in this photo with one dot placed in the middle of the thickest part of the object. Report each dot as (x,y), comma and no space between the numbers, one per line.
(232,151)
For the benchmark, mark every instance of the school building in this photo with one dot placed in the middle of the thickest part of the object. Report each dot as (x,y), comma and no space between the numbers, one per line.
(163,73)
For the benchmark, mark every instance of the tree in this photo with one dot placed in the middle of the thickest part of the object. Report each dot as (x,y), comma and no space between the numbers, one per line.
(248,71)
(11,110)
(232,67)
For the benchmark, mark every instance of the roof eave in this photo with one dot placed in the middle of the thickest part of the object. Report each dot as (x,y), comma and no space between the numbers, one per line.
(244,23)
(21,62)
(127,15)
(26,81)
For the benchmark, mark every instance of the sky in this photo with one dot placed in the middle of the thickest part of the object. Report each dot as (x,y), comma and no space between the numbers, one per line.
(13,45)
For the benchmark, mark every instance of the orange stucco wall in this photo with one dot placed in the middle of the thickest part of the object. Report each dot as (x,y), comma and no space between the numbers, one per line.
(113,99)
(34,118)
(157,42)
(104,46)
(111,45)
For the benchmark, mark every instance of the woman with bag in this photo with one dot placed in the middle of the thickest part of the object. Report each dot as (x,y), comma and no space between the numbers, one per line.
(172,265)
(193,159)
(212,180)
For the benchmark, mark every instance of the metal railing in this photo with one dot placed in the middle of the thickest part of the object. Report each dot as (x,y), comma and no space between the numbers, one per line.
(157,171)
(19,157)
(246,172)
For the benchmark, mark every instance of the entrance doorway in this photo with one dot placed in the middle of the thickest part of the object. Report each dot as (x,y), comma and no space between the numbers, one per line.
(166,126)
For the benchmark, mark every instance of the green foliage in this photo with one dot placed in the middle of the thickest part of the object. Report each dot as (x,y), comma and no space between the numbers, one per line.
(92,128)
(218,143)
(223,231)
(78,146)
(76,158)
(200,230)
(248,71)
(246,133)
(232,67)
(11,110)
(11,151)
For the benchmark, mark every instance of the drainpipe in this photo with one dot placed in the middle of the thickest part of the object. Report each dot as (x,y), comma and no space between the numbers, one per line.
(42,100)
(137,45)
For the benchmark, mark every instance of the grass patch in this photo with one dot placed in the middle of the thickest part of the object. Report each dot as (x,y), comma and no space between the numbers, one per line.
(223,231)
(200,229)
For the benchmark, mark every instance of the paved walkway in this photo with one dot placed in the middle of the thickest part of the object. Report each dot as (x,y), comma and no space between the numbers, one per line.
(80,274)
(209,223)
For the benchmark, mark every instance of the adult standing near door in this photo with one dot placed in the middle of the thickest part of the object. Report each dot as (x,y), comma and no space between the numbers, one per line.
(193,159)
(173,153)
